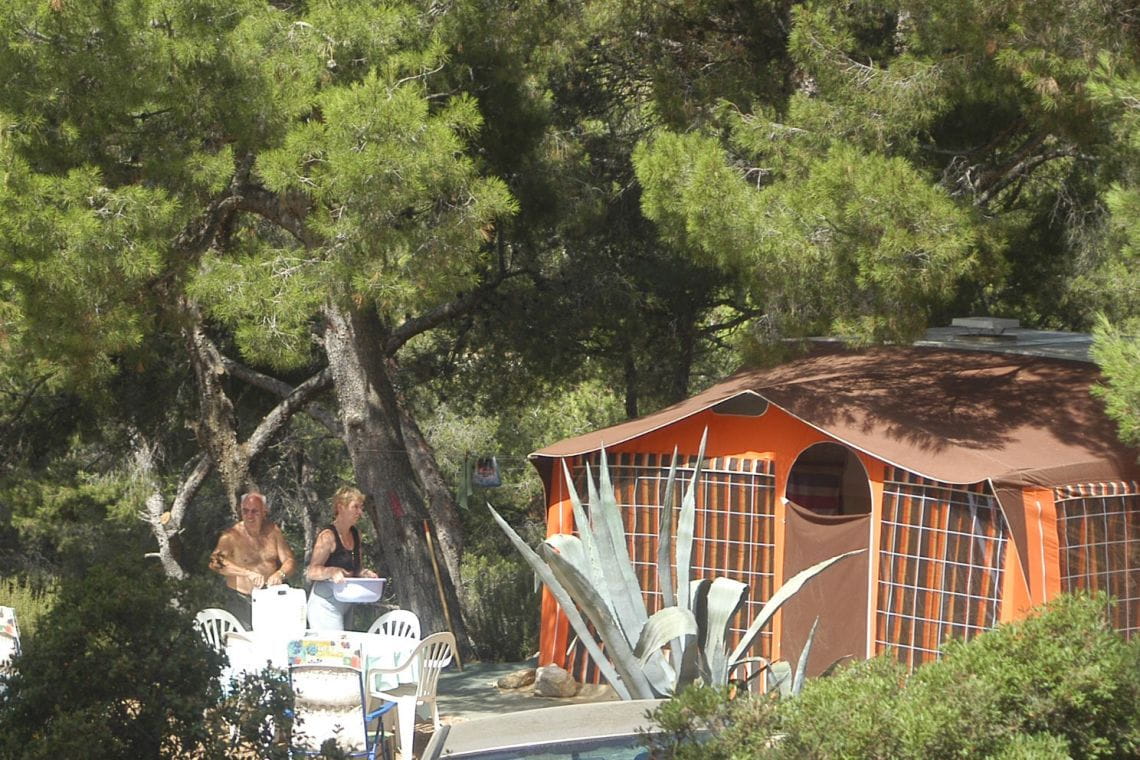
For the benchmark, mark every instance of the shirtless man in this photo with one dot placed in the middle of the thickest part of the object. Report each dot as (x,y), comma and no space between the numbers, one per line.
(252,554)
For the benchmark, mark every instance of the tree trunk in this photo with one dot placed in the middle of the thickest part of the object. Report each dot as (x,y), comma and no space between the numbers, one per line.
(630,377)
(216,429)
(683,360)
(162,525)
(313,514)
(354,344)
(441,506)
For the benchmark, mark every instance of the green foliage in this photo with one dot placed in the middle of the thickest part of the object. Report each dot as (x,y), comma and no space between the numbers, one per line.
(850,714)
(134,129)
(117,669)
(1063,672)
(502,606)
(510,422)
(926,160)
(1115,278)
(32,598)
(851,242)
(686,721)
(1061,683)
(1117,351)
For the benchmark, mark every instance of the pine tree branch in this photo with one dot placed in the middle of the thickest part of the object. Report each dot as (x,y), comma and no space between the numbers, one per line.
(286,210)
(1023,168)
(272,423)
(200,233)
(283,390)
(463,303)
(189,488)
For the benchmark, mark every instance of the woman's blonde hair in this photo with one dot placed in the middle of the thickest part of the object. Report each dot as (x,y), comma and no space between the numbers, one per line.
(345,495)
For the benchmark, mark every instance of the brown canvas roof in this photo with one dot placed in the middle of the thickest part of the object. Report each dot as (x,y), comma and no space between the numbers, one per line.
(954,416)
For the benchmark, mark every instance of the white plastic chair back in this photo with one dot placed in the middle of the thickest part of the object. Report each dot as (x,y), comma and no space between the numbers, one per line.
(402,623)
(431,656)
(214,624)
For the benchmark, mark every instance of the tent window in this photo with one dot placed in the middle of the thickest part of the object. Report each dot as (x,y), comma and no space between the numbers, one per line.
(829,479)
(744,405)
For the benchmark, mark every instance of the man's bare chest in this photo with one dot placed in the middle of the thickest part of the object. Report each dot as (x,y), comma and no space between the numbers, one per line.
(256,548)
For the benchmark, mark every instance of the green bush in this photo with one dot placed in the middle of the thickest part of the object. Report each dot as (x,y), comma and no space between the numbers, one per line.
(1064,673)
(687,722)
(852,714)
(31,598)
(116,669)
(502,607)
(1059,684)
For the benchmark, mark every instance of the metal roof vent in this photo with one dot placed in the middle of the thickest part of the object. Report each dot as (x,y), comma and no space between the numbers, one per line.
(982,330)
(1007,336)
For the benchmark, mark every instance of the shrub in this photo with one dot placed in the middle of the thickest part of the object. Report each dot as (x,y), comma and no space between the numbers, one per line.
(850,714)
(116,669)
(30,597)
(1059,684)
(711,723)
(1064,672)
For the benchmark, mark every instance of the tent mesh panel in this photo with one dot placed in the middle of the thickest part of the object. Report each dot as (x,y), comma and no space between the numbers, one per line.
(1098,529)
(733,531)
(940,564)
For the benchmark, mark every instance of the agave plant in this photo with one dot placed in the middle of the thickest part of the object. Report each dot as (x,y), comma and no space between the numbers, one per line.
(592,578)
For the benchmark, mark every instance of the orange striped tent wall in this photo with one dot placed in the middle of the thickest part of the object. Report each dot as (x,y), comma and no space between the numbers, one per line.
(1099,536)
(941,559)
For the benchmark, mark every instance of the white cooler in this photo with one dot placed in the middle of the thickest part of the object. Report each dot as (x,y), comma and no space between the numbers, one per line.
(279,611)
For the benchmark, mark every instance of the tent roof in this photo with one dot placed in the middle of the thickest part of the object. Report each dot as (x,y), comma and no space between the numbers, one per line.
(954,416)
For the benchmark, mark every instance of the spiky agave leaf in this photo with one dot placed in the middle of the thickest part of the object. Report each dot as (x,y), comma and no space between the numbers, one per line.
(627,597)
(610,569)
(664,625)
(722,599)
(562,549)
(801,665)
(783,594)
(609,672)
(594,607)
(685,525)
(780,677)
(582,522)
(665,538)
(665,555)
(571,549)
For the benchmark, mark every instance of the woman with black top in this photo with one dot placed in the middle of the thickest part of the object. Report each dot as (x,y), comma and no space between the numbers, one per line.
(336,556)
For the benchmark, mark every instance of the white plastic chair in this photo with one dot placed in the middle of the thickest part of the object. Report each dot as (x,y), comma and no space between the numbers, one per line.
(402,623)
(330,700)
(431,656)
(214,624)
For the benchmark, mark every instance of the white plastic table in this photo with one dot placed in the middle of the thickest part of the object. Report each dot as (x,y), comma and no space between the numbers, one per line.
(251,651)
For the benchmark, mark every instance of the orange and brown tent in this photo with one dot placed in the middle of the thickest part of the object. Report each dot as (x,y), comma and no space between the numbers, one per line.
(980,484)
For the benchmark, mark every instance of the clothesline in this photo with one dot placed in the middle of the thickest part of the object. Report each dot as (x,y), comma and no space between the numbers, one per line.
(523,460)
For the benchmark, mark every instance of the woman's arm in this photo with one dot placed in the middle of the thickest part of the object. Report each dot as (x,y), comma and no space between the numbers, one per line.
(322,548)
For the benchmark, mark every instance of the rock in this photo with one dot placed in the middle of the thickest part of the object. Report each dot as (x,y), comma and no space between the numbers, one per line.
(553,681)
(516,680)
(596,692)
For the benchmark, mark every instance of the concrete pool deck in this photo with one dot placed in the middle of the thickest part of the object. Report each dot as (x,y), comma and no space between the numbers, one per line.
(540,726)
(478,715)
